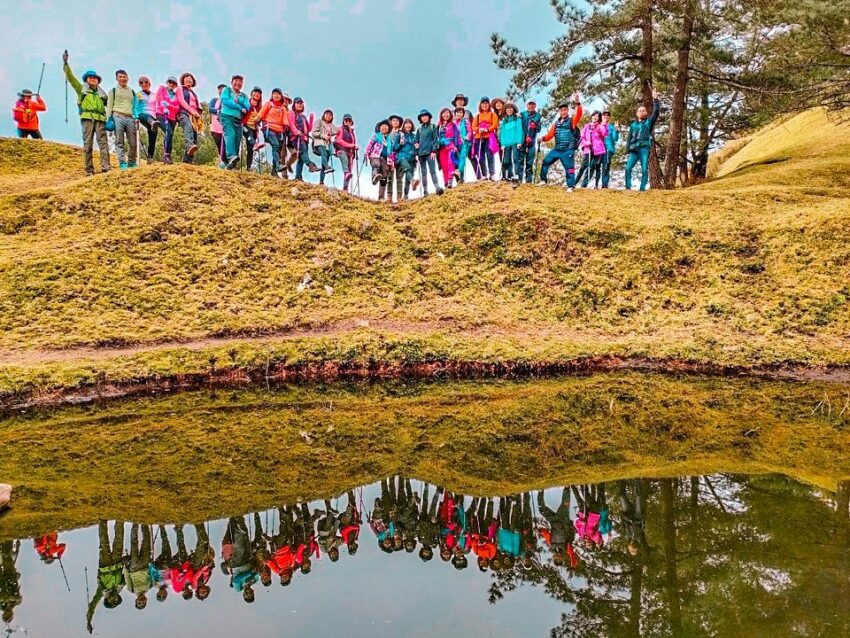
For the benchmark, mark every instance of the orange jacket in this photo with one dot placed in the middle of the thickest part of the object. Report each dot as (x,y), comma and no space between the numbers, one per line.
(576,119)
(483,547)
(25,114)
(276,116)
(489,120)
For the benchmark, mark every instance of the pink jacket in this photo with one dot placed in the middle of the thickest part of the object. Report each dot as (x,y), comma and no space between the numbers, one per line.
(588,528)
(167,105)
(193,106)
(593,137)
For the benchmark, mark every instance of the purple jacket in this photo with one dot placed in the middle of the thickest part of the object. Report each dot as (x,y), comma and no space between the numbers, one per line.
(593,137)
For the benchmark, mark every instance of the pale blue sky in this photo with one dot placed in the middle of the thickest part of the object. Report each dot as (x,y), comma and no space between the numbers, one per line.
(366,57)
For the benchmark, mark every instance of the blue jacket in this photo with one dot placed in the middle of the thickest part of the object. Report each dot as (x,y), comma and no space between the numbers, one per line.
(231,107)
(640,133)
(403,146)
(428,138)
(214,105)
(566,135)
(612,138)
(511,131)
(531,124)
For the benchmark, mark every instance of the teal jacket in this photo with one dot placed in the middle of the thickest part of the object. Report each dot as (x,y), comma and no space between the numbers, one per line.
(640,133)
(403,146)
(612,138)
(233,105)
(511,131)
(428,138)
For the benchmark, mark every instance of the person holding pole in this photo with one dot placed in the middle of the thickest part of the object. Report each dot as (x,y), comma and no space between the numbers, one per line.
(91,101)
(26,113)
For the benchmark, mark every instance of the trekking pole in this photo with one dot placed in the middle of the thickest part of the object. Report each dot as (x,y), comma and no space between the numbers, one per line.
(88,596)
(66,93)
(40,79)
(64,575)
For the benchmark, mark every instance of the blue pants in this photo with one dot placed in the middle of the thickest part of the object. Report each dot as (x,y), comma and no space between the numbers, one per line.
(639,155)
(232,128)
(300,147)
(462,156)
(527,155)
(425,161)
(324,152)
(483,160)
(167,127)
(275,140)
(606,168)
(568,161)
(510,162)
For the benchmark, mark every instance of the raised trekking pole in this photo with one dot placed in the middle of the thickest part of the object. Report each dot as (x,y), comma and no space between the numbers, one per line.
(65,57)
(41,78)
(64,575)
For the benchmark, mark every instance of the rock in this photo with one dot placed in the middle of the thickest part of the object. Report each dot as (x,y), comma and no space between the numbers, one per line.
(305,282)
(5,496)
(362,323)
(329,290)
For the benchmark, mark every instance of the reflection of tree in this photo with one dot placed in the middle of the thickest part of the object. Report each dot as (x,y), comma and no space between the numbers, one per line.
(729,555)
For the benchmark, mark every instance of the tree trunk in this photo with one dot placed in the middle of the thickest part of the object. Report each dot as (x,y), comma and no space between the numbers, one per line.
(680,89)
(647,61)
(671,578)
(701,150)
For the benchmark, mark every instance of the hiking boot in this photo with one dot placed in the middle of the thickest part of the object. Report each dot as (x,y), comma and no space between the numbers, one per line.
(190,152)
(414,184)
(104,170)
(132,165)
(570,189)
(327,170)
(233,162)
(313,168)
(166,158)
(122,166)
(541,183)
(375,179)
(155,125)
(89,173)
(440,191)
(457,176)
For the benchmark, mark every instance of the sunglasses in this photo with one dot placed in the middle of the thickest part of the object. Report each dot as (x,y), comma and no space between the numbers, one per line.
(144,82)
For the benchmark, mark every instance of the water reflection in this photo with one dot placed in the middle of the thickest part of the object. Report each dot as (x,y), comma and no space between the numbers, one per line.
(693,556)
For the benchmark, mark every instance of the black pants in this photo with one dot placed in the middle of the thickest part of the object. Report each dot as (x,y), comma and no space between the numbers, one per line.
(36,135)
(147,121)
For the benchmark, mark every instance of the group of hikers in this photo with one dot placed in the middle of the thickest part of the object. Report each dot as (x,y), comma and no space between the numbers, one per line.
(281,124)
(498,534)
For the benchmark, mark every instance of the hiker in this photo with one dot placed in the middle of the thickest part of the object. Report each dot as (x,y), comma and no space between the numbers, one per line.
(566,135)
(189,116)
(587,517)
(238,558)
(260,552)
(450,142)
(499,109)
(633,515)
(121,109)
(427,531)
(485,126)
(91,102)
(464,127)
(396,174)
(639,142)
(324,131)
(146,115)
(460,101)
(610,147)
(110,570)
(560,533)
(233,107)
(300,126)
(167,108)
(10,579)
(136,573)
(305,538)
(48,547)
(202,562)
(161,566)
(511,138)
(327,528)
(593,146)
(25,113)
(349,521)
(346,149)
(251,126)
(282,559)
(275,116)
(531,125)
(427,145)
(405,156)
(378,151)
(216,129)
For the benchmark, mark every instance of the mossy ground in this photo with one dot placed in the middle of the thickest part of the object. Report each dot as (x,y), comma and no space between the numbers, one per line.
(202,455)
(750,269)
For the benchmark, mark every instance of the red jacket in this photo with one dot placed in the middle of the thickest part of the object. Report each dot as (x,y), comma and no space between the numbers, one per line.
(49,547)
(25,113)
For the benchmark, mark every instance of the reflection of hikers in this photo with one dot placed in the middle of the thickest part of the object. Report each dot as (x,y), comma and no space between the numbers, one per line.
(110,570)
(482,534)
(91,102)
(282,560)
(639,142)
(349,524)
(508,538)
(587,517)
(632,515)
(560,533)
(426,528)
(25,113)
(566,135)
(121,108)
(202,561)
(10,579)
(305,538)
(261,552)
(408,514)
(136,573)
(238,558)
(327,527)
(49,548)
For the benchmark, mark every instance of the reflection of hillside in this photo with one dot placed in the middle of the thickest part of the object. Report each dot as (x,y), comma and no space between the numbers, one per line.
(198,456)
(711,555)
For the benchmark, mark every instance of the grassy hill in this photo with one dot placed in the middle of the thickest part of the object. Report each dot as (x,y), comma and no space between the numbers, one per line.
(169,270)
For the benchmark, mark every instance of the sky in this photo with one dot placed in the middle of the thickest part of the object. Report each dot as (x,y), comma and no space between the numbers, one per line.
(369,58)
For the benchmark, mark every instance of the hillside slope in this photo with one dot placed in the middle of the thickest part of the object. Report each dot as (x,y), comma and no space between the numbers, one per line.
(750,269)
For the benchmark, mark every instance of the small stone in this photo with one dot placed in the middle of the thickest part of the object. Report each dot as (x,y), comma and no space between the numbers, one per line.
(5,496)
(362,323)
(306,436)
(329,290)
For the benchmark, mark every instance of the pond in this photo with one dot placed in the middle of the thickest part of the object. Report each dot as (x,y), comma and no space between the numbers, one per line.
(611,505)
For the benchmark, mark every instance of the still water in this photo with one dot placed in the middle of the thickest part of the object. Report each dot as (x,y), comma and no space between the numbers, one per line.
(720,555)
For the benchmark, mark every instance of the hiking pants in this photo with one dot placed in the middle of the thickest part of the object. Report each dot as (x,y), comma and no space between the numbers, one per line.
(462,157)
(303,152)
(585,167)
(606,168)
(324,153)
(526,157)
(485,164)
(347,162)
(407,167)
(147,121)
(250,135)
(447,165)
(94,129)
(395,176)
(568,161)
(232,127)
(125,135)
(168,130)
(594,163)
(427,164)
(275,140)
(381,170)
(510,162)
(190,135)
(638,155)
(33,134)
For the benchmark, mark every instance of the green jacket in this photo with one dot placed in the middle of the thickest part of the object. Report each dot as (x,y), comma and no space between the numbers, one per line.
(90,102)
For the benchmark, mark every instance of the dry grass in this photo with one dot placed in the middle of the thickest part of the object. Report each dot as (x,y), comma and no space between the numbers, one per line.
(202,455)
(749,269)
